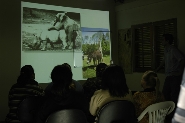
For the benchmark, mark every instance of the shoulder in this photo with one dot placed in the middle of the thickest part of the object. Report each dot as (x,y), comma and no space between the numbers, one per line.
(138,93)
(14,86)
(91,79)
(91,82)
(98,92)
(101,93)
(174,49)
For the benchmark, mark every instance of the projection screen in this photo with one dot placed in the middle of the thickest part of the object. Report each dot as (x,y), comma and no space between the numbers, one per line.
(53,35)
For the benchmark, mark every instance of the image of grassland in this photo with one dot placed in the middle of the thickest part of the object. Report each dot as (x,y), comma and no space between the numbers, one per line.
(89,72)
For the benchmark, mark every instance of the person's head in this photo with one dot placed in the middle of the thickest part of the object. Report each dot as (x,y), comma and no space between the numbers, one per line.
(113,79)
(99,69)
(67,65)
(61,77)
(149,80)
(26,73)
(168,39)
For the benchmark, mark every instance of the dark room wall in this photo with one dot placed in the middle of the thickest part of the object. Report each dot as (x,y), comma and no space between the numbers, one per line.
(145,11)
(10,38)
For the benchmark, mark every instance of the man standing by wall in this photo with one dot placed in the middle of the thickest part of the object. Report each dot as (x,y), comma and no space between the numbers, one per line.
(174,63)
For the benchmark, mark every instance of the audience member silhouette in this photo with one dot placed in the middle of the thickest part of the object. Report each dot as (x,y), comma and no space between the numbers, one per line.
(62,95)
(26,86)
(150,95)
(114,87)
(78,86)
(94,83)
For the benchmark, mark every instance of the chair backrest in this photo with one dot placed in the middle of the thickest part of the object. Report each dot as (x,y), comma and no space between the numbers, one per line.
(28,108)
(158,111)
(67,116)
(118,111)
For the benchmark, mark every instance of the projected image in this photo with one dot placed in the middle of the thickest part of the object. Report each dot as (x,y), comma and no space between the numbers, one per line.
(96,49)
(53,35)
(49,30)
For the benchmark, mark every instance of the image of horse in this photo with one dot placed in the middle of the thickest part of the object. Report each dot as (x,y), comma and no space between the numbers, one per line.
(96,56)
(71,27)
(52,37)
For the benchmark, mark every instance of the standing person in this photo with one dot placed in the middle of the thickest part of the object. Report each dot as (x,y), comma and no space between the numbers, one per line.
(174,63)
(150,95)
(26,86)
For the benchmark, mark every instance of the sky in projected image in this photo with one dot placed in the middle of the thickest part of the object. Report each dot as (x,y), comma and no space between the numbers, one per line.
(52,35)
(92,35)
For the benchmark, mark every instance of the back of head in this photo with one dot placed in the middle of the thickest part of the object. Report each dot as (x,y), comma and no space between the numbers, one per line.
(67,65)
(99,69)
(61,77)
(114,80)
(26,73)
(168,37)
(150,78)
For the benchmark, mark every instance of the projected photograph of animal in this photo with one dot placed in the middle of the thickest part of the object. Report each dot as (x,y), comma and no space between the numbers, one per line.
(96,49)
(95,56)
(50,30)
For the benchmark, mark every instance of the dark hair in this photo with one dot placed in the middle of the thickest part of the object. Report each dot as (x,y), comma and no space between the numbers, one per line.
(114,80)
(168,37)
(99,69)
(61,77)
(26,73)
(67,65)
(149,78)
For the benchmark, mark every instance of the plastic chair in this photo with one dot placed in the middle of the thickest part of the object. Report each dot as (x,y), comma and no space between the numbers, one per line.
(158,111)
(119,111)
(67,116)
(27,108)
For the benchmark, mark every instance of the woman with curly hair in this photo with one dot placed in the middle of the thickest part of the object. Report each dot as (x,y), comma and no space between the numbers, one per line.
(150,94)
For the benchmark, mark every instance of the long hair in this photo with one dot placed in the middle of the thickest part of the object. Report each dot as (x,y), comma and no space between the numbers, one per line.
(99,69)
(26,74)
(61,77)
(113,79)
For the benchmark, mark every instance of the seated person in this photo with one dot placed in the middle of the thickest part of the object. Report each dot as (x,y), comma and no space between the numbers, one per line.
(78,86)
(62,95)
(94,83)
(150,95)
(25,86)
(114,87)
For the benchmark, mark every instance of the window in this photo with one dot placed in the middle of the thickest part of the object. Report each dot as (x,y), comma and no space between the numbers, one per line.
(147,39)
